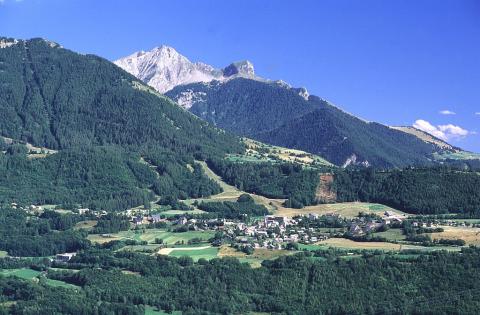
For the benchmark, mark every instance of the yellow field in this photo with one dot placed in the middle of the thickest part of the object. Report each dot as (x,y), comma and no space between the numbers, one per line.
(96,238)
(349,244)
(471,236)
(348,209)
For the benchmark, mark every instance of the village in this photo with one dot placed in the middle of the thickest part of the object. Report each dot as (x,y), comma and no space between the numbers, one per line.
(273,232)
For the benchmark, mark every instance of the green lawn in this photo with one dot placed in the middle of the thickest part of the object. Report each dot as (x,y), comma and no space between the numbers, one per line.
(207,253)
(24,273)
(310,247)
(392,235)
(30,274)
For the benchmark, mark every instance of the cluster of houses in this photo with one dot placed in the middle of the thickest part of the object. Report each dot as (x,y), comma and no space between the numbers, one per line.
(65,257)
(365,225)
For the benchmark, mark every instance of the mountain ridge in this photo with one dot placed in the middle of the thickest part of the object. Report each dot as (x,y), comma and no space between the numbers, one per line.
(57,98)
(163,68)
(278,114)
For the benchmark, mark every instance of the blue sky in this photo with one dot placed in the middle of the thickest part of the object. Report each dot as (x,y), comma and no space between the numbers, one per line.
(395,62)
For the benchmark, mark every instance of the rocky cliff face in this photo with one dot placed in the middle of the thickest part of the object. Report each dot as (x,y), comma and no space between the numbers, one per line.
(163,68)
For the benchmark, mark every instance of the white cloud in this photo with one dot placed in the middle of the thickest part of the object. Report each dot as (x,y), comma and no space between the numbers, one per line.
(447,112)
(453,130)
(444,132)
(477,113)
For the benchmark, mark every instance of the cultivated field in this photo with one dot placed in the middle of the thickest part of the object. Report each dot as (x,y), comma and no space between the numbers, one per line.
(149,235)
(206,252)
(258,256)
(392,235)
(471,236)
(349,244)
(348,209)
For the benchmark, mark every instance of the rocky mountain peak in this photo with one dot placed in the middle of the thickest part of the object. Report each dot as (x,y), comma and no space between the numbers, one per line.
(163,68)
(241,68)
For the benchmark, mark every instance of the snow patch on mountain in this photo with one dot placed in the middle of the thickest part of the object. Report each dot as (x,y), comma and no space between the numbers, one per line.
(4,42)
(163,68)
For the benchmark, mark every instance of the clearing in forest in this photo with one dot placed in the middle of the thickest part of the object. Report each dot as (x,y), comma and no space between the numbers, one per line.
(346,209)
(349,244)
(470,235)
(150,235)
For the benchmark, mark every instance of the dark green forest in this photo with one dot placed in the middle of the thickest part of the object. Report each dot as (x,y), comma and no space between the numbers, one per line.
(39,236)
(413,190)
(56,98)
(278,115)
(100,178)
(307,283)
(286,181)
(337,136)
(244,207)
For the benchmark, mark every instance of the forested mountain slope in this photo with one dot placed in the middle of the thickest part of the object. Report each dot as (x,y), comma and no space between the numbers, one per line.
(52,97)
(246,107)
(103,122)
(278,114)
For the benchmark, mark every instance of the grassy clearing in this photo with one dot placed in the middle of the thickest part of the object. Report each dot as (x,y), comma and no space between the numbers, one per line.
(196,253)
(149,235)
(100,239)
(24,273)
(258,256)
(461,155)
(347,209)
(86,225)
(229,191)
(471,236)
(258,152)
(30,274)
(392,235)
(349,244)
(3,254)
(58,283)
